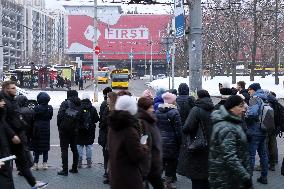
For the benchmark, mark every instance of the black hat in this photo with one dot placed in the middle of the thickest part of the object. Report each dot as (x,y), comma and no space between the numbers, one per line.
(107,90)
(183,89)
(254,86)
(203,93)
(233,101)
(72,93)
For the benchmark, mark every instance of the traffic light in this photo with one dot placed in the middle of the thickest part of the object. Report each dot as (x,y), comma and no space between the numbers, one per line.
(142,1)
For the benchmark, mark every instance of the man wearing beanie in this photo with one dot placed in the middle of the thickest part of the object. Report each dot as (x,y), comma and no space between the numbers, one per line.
(256,135)
(169,124)
(228,154)
(68,130)
(126,153)
(184,101)
(104,103)
(145,115)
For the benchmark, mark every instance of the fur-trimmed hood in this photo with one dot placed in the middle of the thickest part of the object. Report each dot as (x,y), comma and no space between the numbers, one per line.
(120,119)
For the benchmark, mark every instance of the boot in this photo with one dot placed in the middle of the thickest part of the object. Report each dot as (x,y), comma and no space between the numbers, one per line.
(169,183)
(45,166)
(80,162)
(262,180)
(35,167)
(63,172)
(89,163)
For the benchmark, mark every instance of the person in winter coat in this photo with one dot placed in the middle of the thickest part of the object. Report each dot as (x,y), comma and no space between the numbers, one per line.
(87,130)
(225,92)
(41,130)
(16,133)
(158,99)
(169,124)
(68,130)
(104,128)
(241,87)
(229,164)
(104,103)
(145,114)
(6,178)
(125,150)
(27,118)
(256,136)
(195,164)
(81,83)
(184,101)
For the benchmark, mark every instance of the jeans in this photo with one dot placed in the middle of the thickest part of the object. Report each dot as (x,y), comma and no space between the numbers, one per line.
(80,149)
(44,154)
(170,167)
(258,143)
(65,140)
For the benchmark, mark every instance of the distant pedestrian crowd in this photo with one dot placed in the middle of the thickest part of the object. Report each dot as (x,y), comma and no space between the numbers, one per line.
(148,141)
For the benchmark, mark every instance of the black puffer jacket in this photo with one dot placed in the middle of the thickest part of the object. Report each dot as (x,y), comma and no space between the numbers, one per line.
(149,124)
(169,124)
(6,178)
(195,165)
(41,134)
(86,136)
(15,125)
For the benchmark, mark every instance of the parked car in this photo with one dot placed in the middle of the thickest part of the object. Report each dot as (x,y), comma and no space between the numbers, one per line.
(160,76)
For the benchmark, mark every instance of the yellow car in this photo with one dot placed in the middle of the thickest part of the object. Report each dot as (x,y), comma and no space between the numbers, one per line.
(103,77)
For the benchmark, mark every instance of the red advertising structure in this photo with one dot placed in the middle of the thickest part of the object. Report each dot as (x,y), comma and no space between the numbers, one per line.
(116,39)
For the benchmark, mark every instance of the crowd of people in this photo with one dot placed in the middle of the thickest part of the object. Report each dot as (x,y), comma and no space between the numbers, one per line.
(148,141)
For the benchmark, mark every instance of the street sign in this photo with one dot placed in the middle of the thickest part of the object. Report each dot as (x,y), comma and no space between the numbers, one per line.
(179,18)
(168,57)
(97,50)
(130,55)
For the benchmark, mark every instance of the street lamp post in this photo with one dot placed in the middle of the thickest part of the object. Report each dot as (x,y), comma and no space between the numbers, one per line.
(95,56)
(151,65)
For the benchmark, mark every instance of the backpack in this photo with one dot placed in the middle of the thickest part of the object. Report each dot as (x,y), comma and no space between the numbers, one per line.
(266,117)
(278,116)
(87,119)
(70,120)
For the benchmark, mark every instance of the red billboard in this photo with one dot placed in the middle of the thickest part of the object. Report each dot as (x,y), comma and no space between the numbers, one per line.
(116,39)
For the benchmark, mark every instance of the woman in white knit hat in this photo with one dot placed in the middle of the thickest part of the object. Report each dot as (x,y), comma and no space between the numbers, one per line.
(125,150)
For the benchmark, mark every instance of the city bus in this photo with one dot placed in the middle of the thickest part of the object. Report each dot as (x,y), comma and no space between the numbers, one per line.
(120,78)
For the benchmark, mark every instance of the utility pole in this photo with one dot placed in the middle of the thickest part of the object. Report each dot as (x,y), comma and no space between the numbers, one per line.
(1,44)
(131,61)
(195,46)
(254,43)
(151,63)
(173,65)
(95,56)
(145,64)
(276,35)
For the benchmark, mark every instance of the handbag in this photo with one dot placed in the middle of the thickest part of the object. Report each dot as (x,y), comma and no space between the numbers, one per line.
(199,142)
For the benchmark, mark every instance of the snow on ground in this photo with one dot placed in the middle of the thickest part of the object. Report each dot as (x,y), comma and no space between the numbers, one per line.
(57,97)
(211,85)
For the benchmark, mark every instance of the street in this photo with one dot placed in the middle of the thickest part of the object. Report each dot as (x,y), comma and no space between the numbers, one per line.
(92,178)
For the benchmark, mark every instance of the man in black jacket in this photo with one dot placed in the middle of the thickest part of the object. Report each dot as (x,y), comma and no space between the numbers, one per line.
(6,178)
(68,131)
(16,133)
(241,87)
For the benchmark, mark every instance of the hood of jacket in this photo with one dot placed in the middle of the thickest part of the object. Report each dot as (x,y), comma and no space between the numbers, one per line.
(43,98)
(183,89)
(86,104)
(261,94)
(166,107)
(142,114)
(22,101)
(119,120)
(158,99)
(205,103)
(75,100)
(224,115)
